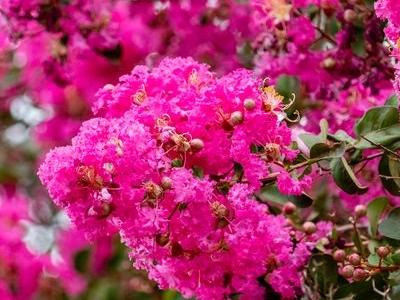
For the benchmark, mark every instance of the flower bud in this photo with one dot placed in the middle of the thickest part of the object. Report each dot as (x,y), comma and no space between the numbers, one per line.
(289,208)
(236,117)
(354,259)
(339,255)
(383,251)
(309,227)
(166,183)
(328,63)
(196,144)
(347,271)
(349,15)
(360,274)
(249,104)
(360,211)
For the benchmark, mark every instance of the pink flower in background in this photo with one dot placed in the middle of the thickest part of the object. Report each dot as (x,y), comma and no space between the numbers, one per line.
(19,269)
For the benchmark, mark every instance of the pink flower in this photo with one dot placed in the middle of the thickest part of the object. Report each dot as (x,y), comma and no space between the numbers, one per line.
(171,164)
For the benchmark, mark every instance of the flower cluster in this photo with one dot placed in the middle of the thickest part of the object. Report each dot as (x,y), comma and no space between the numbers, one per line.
(389,10)
(67,50)
(19,269)
(30,268)
(338,65)
(171,164)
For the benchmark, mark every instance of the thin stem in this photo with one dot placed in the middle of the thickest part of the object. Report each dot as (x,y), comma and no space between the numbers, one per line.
(325,35)
(381,146)
(308,162)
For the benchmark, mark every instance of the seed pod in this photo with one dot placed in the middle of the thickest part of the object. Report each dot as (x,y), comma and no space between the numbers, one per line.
(354,259)
(236,118)
(347,271)
(349,15)
(196,144)
(289,208)
(309,227)
(166,183)
(339,255)
(360,211)
(249,104)
(328,63)
(383,251)
(360,274)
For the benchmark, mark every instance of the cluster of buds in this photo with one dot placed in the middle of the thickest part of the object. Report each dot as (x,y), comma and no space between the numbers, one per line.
(352,265)
(355,267)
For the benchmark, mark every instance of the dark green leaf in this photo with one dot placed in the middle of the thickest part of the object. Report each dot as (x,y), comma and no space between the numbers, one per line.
(362,290)
(395,258)
(323,271)
(374,211)
(344,177)
(390,227)
(81,260)
(387,165)
(385,137)
(270,193)
(319,150)
(358,44)
(377,118)
(246,54)
(287,85)
(302,201)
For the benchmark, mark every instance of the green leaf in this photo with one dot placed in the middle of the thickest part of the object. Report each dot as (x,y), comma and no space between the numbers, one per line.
(373,259)
(395,258)
(392,101)
(328,151)
(311,140)
(324,127)
(344,177)
(377,118)
(319,150)
(81,260)
(374,211)
(390,227)
(362,290)
(270,193)
(358,44)
(171,295)
(246,54)
(390,167)
(342,136)
(287,85)
(323,271)
(118,256)
(385,137)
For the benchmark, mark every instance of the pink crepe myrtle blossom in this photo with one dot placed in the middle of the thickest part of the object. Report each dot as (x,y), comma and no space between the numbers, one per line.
(170,162)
